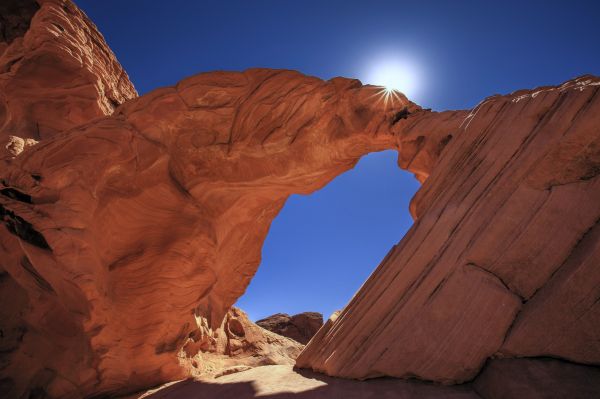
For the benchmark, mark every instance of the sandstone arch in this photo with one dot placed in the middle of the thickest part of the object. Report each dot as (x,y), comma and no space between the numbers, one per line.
(157,213)
(127,227)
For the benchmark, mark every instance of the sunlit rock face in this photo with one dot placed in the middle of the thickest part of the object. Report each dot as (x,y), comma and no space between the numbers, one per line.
(237,344)
(503,257)
(130,230)
(56,70)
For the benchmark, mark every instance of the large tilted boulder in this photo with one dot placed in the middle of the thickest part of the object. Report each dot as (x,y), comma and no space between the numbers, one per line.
(300,327)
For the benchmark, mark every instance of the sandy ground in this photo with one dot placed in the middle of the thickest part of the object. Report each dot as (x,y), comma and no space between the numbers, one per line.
(283,382)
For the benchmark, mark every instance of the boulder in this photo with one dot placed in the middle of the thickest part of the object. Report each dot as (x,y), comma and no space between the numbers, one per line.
(300,327)
(238,344)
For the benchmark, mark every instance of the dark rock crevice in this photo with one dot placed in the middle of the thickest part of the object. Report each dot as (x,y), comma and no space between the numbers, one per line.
(15,18)
(22,228)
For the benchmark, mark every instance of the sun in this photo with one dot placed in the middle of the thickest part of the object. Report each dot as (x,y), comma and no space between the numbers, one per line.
(395,74)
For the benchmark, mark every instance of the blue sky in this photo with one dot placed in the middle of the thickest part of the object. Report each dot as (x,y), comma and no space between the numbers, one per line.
(322,247)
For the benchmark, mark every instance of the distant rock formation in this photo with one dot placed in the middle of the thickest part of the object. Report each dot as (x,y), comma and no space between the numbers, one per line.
(237,342)
(300,327)
(132,225)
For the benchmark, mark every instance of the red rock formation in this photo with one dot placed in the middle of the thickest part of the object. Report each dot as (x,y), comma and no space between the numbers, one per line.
(502,258)
(172,197)
(236,343)
(56,70)
(300,327)
(127,235)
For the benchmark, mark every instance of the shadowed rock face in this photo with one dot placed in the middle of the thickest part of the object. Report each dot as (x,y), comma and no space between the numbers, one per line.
(15,17)
(537,378)
(300,327)
(128,233)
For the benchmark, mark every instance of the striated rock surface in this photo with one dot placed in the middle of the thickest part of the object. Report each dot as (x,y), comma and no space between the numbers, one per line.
(236,343)
(503,256)
(56,70)
(300,327)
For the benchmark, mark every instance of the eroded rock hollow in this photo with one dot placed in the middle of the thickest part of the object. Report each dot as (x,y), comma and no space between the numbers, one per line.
(132,225)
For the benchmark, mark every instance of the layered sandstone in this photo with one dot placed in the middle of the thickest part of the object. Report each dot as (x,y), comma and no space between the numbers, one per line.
(56,70)
(130,230)
(300,327)
(503,257)
(172,197)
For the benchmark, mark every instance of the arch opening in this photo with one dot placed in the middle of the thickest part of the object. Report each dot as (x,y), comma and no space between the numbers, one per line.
(323,246)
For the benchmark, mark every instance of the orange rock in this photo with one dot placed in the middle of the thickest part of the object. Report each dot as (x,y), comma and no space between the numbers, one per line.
(56,71)
(129,233)
(164,212)
(300,327)
(237,344)
(216,175)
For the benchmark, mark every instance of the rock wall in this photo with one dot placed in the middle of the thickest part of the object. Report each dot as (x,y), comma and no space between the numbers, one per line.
(131,229)
(537,378)
(56,70)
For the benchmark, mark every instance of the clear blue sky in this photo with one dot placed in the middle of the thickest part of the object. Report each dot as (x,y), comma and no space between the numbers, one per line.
(322,247)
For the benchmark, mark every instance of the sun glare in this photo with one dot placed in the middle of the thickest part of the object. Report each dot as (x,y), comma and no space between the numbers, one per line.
(395,74)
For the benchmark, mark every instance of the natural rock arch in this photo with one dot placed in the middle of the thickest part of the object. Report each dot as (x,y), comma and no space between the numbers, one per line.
(126,232)
(156,215)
